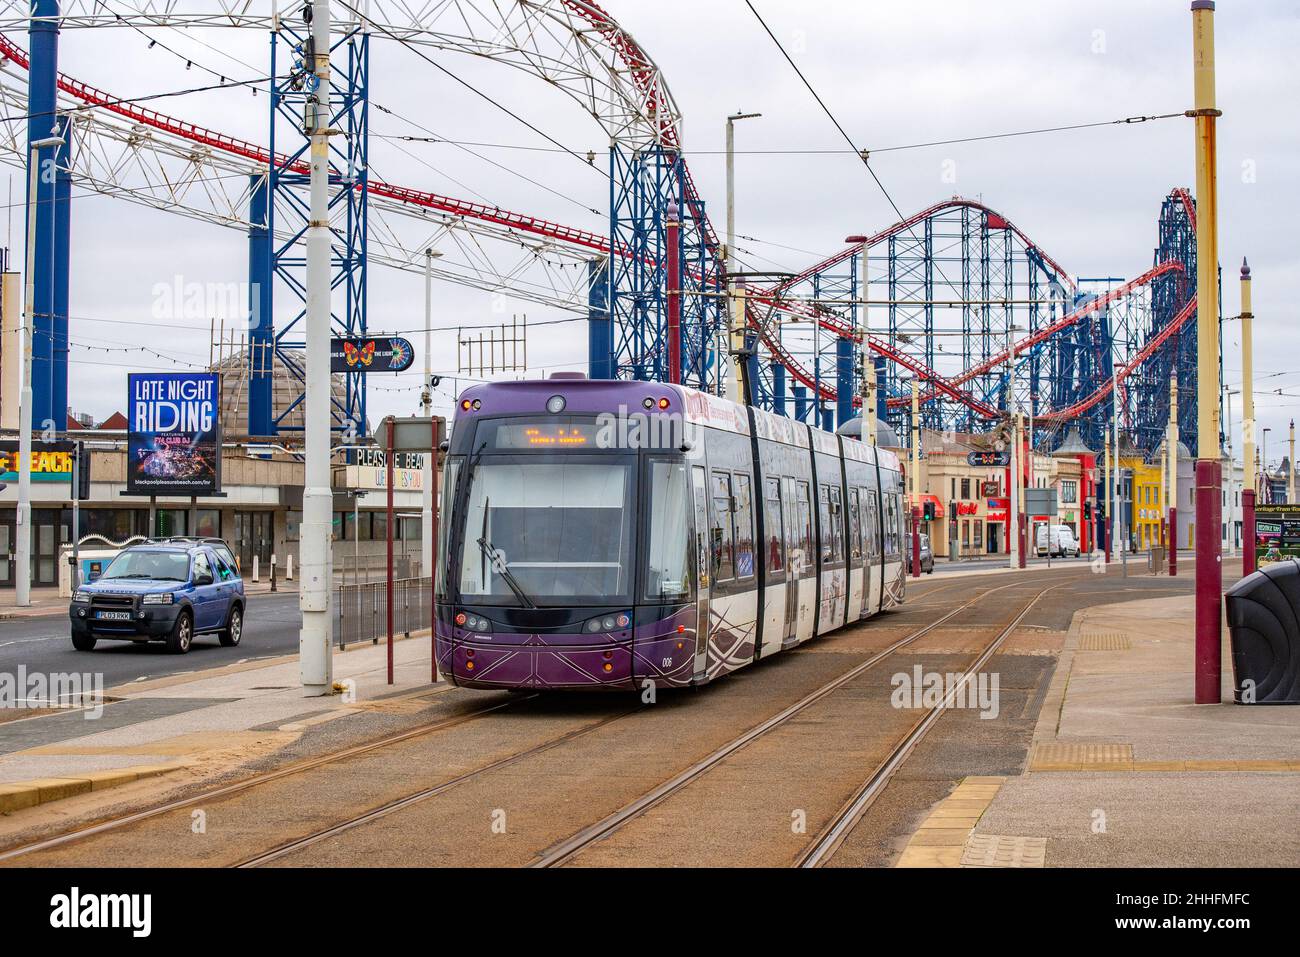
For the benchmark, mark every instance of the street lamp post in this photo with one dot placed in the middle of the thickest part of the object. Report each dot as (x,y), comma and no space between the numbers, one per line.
(1248,486)
(23,516)
(426,403)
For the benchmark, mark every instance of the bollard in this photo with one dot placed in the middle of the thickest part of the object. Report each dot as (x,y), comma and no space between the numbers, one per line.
(273,588)
(255,576)
(288,568)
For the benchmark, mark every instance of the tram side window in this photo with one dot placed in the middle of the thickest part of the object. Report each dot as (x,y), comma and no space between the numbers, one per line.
(824,508)
(772,523)
(450,482)
(803,516)
(837,524)
(873,526)
(744,516)
(668,562)
(721,540)
(855,525)
(893,538)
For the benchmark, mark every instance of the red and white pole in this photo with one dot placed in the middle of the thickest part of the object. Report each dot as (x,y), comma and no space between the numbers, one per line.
(1209,479)
(916,542)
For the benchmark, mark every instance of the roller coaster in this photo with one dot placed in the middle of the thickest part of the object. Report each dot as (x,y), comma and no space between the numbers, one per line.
(954,297)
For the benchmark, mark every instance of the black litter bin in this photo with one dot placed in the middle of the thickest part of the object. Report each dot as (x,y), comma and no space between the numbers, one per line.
(1264,618)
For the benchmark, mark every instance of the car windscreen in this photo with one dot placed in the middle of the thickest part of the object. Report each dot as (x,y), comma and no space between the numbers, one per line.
(161,566)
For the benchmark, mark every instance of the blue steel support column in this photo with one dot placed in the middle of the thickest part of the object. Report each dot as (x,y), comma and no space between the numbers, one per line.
(882,400)
(800,403)
(778,388)
(61,275)
(844,390)
(600,329)
(43,41)
(261,321)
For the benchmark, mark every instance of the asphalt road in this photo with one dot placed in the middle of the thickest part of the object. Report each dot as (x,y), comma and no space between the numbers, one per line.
(44,646)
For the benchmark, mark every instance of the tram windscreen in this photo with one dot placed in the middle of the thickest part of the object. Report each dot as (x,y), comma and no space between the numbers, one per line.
(560,532)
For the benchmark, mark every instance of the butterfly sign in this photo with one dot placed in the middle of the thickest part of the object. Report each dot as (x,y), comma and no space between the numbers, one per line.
(373,354)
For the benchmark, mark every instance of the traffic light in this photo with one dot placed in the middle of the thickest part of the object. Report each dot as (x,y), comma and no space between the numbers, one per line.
(927,511)
(83,472)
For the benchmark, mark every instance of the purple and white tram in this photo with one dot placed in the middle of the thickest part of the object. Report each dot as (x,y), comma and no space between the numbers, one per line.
(610,534)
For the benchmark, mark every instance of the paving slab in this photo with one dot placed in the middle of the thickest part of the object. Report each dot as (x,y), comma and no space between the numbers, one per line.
(1127,771)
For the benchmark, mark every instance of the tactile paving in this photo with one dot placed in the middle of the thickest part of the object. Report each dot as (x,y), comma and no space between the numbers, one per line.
(1082,756)
(1109,641)
(1001,850)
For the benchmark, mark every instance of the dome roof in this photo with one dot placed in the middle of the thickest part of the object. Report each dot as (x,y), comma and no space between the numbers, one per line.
(885,435)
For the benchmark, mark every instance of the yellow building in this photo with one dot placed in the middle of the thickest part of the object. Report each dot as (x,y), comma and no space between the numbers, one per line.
(1147,507)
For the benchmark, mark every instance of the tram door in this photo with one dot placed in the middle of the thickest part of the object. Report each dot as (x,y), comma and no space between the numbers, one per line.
(703,569)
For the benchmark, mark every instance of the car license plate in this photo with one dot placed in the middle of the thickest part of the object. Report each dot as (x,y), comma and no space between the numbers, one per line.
(113,615)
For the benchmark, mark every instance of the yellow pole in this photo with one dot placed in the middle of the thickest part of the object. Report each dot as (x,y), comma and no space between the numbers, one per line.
(1209,479)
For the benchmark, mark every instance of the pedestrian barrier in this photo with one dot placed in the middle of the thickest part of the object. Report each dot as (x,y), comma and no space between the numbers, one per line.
(361,610)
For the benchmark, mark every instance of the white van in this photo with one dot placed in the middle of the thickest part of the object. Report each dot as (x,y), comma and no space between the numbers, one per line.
(1057,540)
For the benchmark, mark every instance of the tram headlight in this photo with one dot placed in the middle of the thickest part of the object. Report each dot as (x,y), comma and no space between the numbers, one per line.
(555,404)
(609,624)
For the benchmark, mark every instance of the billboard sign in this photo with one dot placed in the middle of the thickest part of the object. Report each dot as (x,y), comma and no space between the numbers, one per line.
(1277,534)
(371,354)
(51,461)
(174,433)
(991,460)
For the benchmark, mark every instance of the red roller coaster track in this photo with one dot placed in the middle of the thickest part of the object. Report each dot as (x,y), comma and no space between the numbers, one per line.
(649,81)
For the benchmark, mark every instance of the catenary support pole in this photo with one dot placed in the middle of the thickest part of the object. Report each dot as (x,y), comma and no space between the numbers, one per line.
(673,286)
(315,653)
(1209,571)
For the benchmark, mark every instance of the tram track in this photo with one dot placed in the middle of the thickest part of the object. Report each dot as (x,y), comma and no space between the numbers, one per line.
(256,780)
(568,849)
(833,835)
(557,854)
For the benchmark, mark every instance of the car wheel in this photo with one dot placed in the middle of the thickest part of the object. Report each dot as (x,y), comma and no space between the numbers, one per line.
(83,642)
(178,642)
(234,629)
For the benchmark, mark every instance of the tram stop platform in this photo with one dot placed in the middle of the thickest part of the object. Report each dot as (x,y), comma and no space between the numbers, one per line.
(1124,770)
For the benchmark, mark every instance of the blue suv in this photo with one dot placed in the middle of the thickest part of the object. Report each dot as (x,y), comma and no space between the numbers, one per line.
(168,591)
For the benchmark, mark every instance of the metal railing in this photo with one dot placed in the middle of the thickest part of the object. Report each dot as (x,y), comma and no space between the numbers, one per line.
(361,610)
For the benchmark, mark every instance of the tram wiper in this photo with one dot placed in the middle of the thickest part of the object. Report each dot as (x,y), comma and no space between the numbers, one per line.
(500,567)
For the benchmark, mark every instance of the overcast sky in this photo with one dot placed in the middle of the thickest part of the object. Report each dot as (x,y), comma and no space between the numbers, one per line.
(893,73)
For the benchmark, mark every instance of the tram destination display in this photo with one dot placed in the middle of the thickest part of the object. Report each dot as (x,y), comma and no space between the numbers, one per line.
(174,433)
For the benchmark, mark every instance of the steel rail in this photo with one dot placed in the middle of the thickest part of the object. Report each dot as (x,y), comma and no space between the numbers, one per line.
(255,780)
(400,804)
(574,845)
(834,834)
